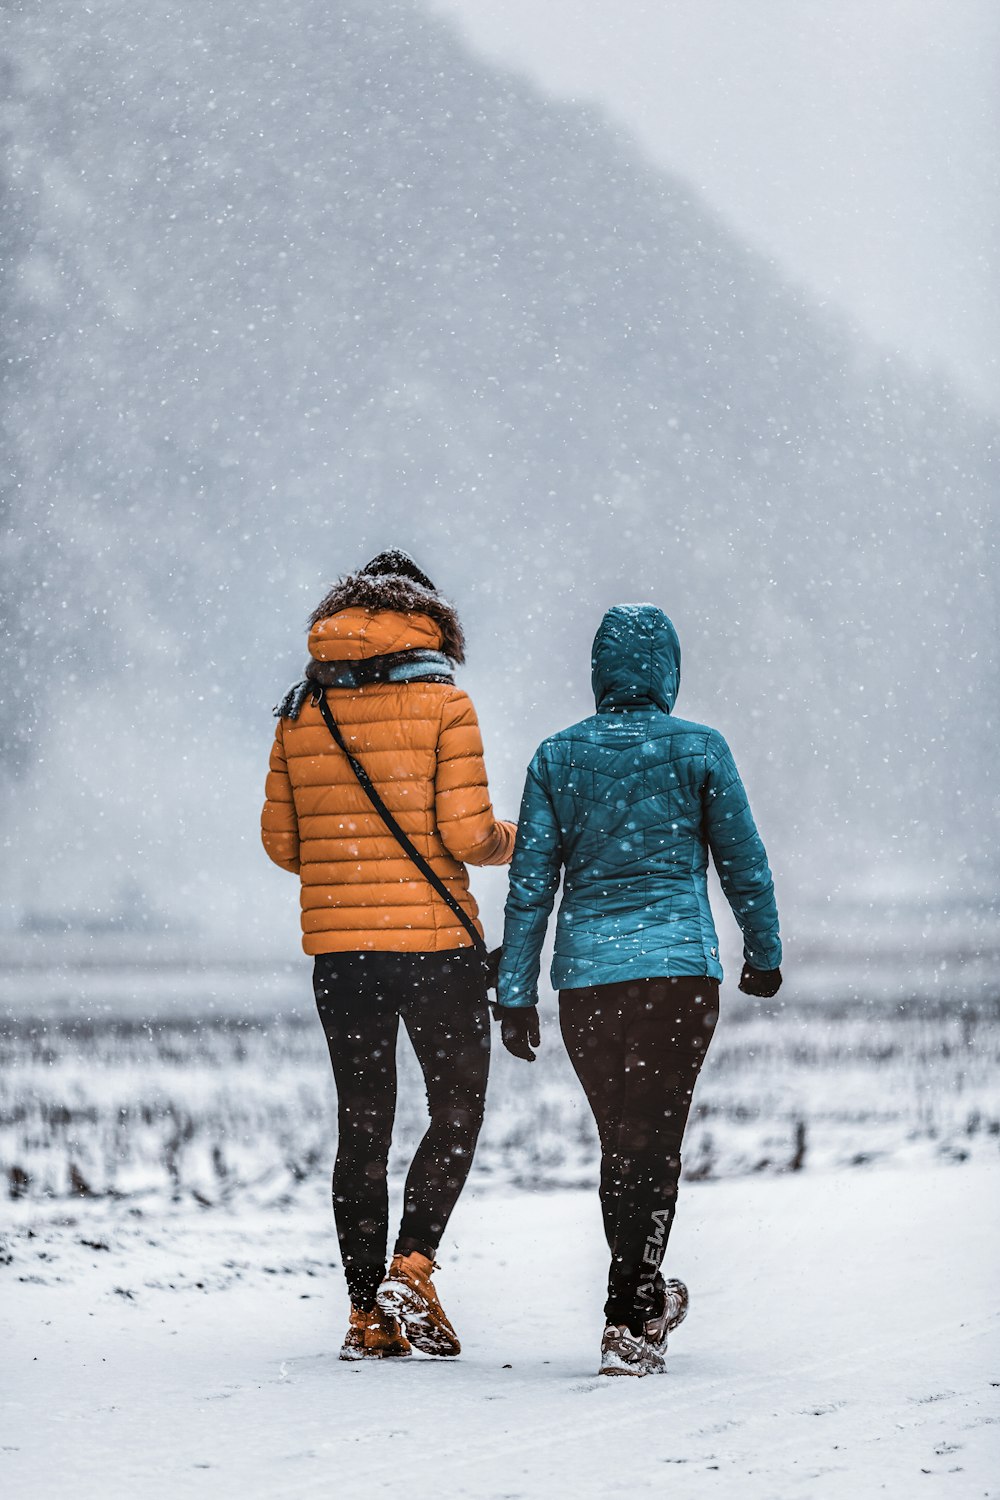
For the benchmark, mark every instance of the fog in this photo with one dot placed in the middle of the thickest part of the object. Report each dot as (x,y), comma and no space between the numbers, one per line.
(579,305)
(283,288)
(857,144)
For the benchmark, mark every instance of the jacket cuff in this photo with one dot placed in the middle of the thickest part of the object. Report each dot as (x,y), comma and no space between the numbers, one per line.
(763,958)
(522,1001)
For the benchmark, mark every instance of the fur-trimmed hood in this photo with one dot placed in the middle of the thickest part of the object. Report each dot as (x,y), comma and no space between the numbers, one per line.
(394,594)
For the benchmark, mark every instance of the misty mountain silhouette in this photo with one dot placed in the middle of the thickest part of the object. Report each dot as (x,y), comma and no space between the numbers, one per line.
(288,284)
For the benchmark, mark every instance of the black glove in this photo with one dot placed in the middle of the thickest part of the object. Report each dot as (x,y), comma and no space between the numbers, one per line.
(519,1030)
(762,983)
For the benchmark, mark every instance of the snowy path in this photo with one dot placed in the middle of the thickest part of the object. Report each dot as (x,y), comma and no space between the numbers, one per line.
(844,1340)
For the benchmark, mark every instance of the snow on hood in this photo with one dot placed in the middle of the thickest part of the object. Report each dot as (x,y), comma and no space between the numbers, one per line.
(636,659)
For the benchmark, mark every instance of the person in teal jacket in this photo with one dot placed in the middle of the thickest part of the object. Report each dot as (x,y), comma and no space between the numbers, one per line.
(626,807)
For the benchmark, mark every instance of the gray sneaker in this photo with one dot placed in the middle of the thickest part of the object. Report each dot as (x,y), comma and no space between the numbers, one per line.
(626,1353)
(673,1313)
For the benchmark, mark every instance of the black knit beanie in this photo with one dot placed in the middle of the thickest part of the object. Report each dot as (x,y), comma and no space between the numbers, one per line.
(400,565)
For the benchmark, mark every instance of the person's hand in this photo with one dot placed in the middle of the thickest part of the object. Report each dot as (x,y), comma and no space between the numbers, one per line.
(761,983)
(519,1030)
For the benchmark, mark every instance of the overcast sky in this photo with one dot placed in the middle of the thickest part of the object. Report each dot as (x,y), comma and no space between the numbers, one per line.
(856,142)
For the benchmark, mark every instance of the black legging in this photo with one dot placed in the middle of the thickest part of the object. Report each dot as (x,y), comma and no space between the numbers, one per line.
(441,998)
(637,1048)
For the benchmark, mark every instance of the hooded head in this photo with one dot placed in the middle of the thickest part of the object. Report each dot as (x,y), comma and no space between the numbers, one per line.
(636,659)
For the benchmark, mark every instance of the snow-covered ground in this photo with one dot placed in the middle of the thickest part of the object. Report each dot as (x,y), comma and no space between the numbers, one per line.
(173,1302)
(220,1108)
(843,1341)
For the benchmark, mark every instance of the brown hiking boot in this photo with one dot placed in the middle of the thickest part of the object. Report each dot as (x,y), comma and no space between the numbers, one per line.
(408,1294)
(374,1335)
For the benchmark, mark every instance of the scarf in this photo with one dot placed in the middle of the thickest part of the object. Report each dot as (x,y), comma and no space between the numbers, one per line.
(399,666)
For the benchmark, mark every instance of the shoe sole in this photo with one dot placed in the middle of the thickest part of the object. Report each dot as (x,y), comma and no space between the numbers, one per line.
(423,1328)
(635,1371)
(376,1354)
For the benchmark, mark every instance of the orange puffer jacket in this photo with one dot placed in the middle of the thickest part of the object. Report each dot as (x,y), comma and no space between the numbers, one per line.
(420,743)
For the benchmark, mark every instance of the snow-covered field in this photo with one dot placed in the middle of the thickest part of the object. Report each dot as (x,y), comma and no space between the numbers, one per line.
(225,1110)
(843,1341)
(173,1302)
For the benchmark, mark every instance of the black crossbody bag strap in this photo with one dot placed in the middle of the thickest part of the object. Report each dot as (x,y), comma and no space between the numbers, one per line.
(429,874)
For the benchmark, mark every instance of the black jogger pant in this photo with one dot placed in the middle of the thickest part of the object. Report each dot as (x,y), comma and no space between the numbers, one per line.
(637,1048)
(441,998)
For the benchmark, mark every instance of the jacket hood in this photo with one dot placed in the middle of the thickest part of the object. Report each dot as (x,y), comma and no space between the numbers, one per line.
(636,659)
(360,634)
(374,614)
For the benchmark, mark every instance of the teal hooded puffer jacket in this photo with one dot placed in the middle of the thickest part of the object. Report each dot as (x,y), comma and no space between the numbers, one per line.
(628,804)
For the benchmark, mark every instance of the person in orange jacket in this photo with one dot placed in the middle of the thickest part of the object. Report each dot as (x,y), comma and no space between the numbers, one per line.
(386,945)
